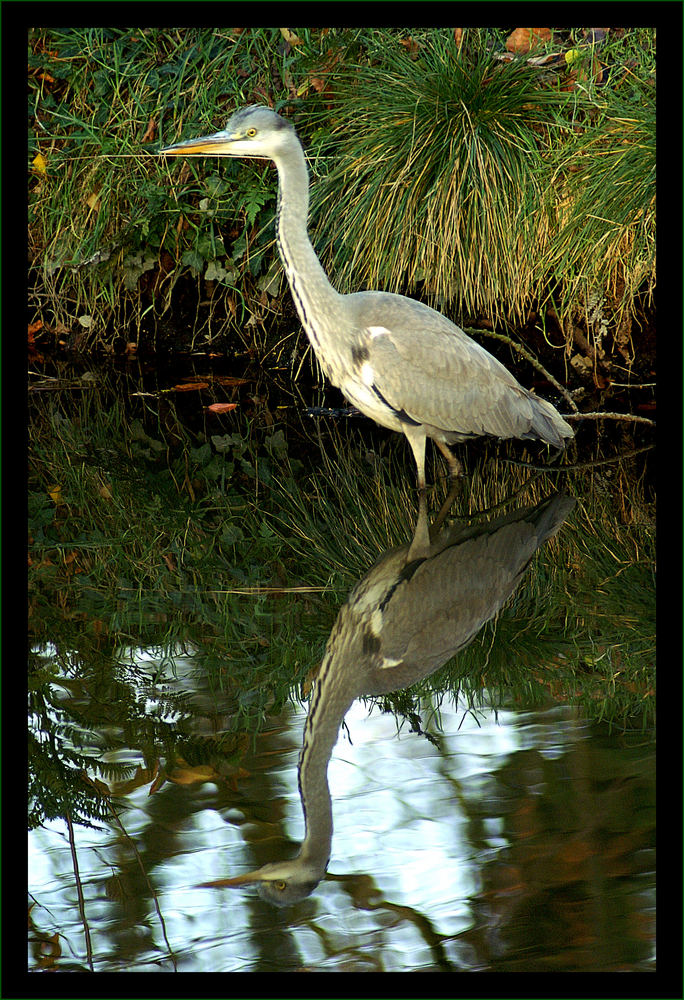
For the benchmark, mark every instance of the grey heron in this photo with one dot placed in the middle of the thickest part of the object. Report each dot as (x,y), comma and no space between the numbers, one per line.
(401,622)
(398,361)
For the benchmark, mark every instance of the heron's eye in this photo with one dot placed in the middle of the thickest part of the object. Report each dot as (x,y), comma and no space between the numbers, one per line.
(251,132)
(280,884)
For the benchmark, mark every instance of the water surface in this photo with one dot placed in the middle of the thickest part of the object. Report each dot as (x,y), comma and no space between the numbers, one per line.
(523,842)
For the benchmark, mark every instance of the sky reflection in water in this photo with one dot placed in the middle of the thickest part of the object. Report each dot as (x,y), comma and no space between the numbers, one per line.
(524,844)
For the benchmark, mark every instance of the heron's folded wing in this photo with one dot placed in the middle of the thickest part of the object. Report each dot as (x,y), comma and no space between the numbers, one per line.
(426,366)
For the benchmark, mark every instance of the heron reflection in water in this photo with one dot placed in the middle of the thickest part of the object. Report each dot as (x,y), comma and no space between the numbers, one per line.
(398,361)
(402,622)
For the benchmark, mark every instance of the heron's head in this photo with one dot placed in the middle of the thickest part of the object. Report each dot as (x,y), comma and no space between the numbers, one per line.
(280,883)
(253,131)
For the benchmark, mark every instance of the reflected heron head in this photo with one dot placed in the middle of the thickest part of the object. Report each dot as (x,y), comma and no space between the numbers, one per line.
(280,882)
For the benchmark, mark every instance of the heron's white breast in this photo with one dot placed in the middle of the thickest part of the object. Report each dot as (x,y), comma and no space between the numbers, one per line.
(359,392)
(388,663)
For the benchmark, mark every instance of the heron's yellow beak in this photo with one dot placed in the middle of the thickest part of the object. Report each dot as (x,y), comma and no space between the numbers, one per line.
(217,144)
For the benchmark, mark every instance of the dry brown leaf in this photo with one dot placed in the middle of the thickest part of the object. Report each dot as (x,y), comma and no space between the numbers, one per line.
(98,785)
(193,385)
(524,40)
(221,407)
(411,46)
(150,131)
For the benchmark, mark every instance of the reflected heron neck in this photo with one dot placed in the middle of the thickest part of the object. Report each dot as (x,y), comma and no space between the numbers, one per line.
(330,700)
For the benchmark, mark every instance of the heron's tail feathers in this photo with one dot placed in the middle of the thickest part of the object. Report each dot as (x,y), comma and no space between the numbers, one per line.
(548,425)
(549,515)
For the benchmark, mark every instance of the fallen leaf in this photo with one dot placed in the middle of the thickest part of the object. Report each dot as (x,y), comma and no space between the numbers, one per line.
(524,40)
(592,73)
(150,131)
(221,407)
(39,165)
(411,46)
(185,387)
(595,35)
(193,775)
(142,776)
(290,37)
(230,379)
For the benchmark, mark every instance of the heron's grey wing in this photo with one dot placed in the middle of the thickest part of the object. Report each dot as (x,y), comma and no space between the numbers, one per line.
(423,612)
(424,365)
(448,599)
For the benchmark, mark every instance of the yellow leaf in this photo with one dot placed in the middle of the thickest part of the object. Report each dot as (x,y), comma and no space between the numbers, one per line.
(290,36)
(39,165)
(55,493)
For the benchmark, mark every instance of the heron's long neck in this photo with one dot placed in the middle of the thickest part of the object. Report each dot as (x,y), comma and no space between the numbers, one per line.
(327,708)
(316,300)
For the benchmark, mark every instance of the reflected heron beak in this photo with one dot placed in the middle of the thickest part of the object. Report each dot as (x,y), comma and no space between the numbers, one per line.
(247,879)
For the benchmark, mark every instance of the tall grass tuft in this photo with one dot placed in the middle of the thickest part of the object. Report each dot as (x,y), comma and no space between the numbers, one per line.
(603,198)
(438,161)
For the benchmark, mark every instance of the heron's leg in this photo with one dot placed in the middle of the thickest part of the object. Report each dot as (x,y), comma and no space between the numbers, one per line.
(455,472)
(454,490)
(455,467)
(421,538)
(420,546)
(416,438)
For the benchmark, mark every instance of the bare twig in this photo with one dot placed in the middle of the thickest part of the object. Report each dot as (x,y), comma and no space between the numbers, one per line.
(79,891)
(610,416)
(532,360)
(573,466)
(149,885)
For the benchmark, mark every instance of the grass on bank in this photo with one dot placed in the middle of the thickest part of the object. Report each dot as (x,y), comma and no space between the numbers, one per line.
(446,160)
